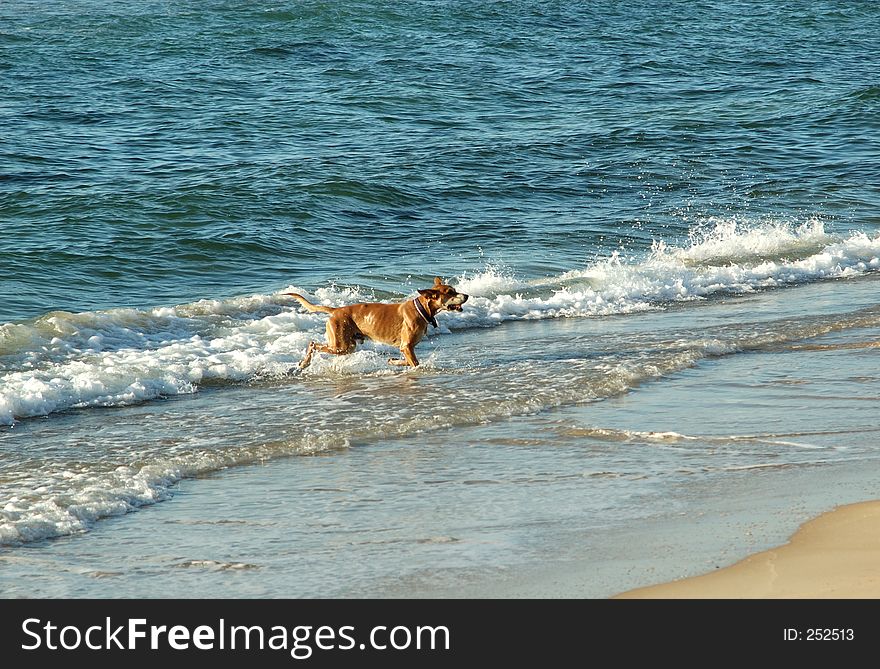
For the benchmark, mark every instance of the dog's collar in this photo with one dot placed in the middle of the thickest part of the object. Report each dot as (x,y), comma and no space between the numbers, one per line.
(424,313)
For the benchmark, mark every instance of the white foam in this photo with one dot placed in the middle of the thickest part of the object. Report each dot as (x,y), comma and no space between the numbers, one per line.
(733,239)
(42,504)
(726,259)
(492,280)
(65,360)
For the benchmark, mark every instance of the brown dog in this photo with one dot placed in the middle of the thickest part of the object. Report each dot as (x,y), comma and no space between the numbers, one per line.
(402,324)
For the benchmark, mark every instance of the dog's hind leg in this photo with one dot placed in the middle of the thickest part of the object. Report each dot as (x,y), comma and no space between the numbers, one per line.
(315,347)
(310,351)
(341,340)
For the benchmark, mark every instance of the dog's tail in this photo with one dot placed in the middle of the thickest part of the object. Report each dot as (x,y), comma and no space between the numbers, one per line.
(311,307)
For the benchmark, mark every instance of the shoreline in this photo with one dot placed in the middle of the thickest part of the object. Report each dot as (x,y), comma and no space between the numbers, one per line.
(532,506)
(832,556)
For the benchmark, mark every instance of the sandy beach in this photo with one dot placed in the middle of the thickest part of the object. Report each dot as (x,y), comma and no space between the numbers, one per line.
(834,556)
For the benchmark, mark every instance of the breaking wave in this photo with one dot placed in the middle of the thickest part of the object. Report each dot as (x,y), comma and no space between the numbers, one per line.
(65,360)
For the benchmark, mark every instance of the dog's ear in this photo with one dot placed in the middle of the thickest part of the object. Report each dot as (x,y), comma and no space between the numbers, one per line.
(438,281)
(430,293)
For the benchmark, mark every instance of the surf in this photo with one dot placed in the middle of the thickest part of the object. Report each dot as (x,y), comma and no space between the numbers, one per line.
(62,361)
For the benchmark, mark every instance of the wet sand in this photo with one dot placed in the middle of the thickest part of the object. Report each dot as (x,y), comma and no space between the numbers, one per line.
(833,556)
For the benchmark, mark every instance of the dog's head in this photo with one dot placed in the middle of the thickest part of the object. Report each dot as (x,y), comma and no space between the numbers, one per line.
(443,296)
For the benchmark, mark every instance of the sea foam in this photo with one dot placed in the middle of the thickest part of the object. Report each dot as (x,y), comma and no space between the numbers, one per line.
(65,360)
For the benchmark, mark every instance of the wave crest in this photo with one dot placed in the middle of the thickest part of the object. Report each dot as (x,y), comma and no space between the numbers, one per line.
(62,360)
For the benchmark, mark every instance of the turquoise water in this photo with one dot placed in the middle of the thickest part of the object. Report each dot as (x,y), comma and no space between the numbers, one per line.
(630,194)
(159,153)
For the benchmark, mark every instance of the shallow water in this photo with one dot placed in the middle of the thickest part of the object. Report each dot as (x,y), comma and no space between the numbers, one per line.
(676,475)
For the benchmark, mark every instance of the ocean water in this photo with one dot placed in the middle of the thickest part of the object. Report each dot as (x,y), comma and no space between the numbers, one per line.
(666,216)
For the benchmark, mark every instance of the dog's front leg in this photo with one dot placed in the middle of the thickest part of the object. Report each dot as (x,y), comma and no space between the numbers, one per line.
(409,356)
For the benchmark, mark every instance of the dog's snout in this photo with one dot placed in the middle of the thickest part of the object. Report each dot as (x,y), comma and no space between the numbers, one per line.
(454,303)
(459,298)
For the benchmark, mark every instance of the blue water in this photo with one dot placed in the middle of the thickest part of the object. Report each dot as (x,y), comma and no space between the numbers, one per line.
(595,175)
(159,153)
